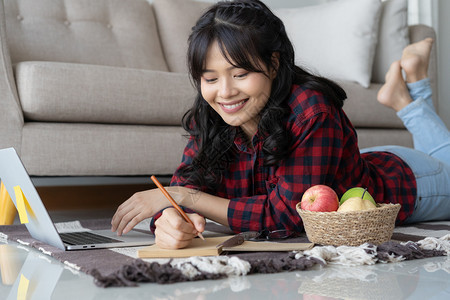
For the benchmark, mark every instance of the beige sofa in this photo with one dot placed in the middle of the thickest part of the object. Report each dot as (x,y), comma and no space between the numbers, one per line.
(98,88)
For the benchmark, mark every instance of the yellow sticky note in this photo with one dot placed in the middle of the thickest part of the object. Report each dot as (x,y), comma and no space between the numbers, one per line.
(7,208)
(23,288)
(22,205)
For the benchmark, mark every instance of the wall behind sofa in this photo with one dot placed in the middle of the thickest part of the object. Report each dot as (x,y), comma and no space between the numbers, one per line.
(434,13)
(443,38)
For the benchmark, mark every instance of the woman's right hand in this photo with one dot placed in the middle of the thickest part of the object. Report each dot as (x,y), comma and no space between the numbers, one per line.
(173,232)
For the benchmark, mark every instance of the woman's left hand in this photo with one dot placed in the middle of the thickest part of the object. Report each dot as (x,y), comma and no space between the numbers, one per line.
(144,205)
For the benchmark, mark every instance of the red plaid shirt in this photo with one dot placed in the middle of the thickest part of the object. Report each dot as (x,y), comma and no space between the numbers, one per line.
(325,152)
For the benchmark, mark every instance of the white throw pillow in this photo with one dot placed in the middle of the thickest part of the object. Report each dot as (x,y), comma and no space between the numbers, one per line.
(336,39)
(392,38)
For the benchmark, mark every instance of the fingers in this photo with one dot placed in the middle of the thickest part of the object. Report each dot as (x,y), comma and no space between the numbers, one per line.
(129,221)
(173,232)
(199,222)
(122,217)
(130,213)
(118,215)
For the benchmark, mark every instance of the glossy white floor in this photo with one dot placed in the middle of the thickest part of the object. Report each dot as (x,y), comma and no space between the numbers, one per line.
(46,278)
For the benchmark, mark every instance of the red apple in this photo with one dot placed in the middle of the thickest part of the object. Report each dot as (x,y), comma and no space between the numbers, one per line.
(320,198)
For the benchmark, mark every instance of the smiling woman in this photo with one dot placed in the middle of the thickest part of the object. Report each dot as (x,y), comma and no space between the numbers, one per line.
(240,166)
(263,130)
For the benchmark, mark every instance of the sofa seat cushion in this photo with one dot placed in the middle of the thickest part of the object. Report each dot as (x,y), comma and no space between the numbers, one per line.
(55,149)
(62,92)
(377,137)
(363,109)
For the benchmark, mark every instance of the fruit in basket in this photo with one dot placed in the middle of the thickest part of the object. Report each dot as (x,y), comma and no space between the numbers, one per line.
(356,203)
(320,198)
(357,192)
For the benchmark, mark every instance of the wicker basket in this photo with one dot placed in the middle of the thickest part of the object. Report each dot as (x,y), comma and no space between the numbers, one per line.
(351,228)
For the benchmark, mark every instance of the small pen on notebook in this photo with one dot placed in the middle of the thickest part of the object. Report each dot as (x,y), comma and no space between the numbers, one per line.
(174,204)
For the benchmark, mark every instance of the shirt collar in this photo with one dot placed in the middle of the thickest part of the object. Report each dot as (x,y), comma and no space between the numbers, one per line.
(241,141)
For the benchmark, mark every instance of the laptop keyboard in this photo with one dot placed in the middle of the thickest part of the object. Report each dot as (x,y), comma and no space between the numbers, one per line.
(86,238)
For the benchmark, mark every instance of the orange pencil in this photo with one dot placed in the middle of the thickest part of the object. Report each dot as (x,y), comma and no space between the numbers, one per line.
(174,204)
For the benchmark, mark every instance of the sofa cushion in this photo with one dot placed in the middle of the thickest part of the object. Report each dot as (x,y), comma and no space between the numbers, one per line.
(66,149)
(335,39)
(392,38)
(175,19)
(380,136)
(120,33)
(364,111)
(62,92)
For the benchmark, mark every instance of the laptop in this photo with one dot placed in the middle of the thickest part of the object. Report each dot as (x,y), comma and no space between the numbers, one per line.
(40,225)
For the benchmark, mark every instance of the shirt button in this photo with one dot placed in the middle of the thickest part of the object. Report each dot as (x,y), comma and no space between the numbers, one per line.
(272,185)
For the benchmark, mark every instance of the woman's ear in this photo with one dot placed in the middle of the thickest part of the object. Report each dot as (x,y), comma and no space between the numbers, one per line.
(275,64)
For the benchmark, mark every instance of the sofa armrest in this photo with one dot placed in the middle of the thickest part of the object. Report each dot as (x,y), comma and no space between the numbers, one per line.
(418,33)
(11,116)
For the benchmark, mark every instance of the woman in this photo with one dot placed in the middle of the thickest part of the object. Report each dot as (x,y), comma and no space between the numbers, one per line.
(262,131)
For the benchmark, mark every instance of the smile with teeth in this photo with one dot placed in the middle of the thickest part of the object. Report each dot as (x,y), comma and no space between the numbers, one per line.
(233,106)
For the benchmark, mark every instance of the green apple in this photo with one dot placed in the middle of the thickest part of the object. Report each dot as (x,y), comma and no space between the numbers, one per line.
(357,192)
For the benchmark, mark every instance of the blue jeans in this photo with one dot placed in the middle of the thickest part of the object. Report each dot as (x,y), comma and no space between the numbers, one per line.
(430,158)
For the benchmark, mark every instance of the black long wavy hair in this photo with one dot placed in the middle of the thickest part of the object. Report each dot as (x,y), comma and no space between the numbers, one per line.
(248,34)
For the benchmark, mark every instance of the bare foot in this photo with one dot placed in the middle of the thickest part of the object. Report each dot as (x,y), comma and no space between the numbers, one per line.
(415,59)
(394,93)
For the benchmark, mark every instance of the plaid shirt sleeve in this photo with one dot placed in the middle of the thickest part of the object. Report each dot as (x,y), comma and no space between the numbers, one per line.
(190,151)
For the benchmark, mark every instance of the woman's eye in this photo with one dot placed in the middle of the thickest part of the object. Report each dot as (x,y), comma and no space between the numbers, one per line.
(241,75)
(210,80)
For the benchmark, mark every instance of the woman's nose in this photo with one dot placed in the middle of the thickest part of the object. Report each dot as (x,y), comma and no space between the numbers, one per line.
(227,89)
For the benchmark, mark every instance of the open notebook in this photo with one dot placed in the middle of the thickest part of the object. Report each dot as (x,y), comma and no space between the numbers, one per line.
(210,247)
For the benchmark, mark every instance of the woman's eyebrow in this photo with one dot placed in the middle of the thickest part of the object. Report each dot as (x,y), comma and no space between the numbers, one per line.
(212,71)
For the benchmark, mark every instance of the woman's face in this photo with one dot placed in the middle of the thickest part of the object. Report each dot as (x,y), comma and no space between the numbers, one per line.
(237,95)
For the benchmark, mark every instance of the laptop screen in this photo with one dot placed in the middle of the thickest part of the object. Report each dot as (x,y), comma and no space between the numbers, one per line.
(31,209)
